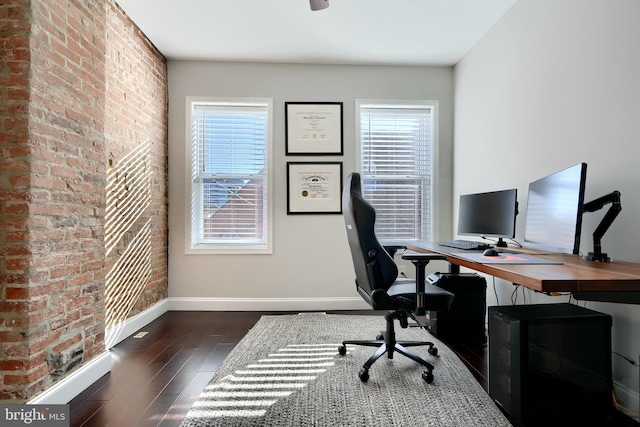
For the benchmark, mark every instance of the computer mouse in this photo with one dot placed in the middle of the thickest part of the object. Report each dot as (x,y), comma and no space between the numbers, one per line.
(491,252)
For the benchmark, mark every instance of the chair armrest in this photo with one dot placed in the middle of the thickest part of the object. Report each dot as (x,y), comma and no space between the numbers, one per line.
(392,249)
(423,256)
(420,260)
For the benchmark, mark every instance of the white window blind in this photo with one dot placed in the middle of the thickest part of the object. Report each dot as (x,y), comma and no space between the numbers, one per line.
(230,176)
(396,146)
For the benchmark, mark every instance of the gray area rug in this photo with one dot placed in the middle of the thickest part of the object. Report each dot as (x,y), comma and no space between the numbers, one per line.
(287,372)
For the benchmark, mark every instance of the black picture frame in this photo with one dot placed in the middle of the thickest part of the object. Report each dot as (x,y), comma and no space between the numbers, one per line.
(314,188)
(313,128)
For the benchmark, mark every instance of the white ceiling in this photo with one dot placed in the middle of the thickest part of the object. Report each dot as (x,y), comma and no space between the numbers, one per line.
(397,32)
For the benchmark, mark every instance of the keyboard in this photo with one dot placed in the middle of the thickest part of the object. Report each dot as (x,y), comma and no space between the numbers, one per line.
(466,244)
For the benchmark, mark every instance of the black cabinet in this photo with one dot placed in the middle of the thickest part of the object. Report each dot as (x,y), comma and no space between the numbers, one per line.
(550,363)
(465,320)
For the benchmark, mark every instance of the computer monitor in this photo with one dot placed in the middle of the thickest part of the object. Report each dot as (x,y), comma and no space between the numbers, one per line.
(491,214)
(554,211)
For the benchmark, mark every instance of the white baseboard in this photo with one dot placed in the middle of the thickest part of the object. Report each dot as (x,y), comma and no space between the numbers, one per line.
(266,304)
(75,383)
(124,330)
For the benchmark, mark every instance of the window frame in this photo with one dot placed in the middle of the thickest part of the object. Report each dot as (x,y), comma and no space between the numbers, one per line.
(228,248)
(432,105)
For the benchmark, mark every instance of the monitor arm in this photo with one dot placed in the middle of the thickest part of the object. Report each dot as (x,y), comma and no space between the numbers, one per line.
(607,220)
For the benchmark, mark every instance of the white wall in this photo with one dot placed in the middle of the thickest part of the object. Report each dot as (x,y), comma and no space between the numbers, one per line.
(310,266)
(555,83)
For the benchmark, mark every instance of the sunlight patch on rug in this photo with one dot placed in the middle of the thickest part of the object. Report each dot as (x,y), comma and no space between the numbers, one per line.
(248,390)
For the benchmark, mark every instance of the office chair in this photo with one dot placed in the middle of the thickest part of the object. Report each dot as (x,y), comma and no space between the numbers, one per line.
(378,283)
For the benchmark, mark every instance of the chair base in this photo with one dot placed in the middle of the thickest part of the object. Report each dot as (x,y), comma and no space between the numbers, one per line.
(387,344)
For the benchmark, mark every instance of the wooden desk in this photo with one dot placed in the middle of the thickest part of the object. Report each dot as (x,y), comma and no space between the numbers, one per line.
(615,281)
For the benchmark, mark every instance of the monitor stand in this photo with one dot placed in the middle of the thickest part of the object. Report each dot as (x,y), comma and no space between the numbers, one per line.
(501,243)
(605,223)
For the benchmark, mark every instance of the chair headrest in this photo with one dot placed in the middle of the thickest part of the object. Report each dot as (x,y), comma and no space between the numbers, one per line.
(354,183)
(356,186)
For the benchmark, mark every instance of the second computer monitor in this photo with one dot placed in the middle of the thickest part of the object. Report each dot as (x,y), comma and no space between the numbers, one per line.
(554,211)
(490,214)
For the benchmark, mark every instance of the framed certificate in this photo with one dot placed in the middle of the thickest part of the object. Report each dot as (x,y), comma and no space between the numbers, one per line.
(314,188)
(313,128)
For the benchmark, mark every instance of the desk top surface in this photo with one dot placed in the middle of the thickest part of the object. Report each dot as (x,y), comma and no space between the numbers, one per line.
(575,274)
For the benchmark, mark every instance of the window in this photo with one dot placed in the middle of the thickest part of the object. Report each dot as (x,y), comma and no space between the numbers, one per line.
(397,142)
(230,174)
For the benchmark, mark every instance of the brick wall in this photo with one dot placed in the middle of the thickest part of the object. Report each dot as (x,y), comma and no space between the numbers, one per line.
(65,67)
(15,196)
(136,113)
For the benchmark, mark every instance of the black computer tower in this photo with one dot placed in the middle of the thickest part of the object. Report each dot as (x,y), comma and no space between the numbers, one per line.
(550,363)
(465,320)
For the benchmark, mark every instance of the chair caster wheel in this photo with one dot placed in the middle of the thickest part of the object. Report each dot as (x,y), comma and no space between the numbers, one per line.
(342,349)
(363,375)
(380,337)
(433,351)
(427,376)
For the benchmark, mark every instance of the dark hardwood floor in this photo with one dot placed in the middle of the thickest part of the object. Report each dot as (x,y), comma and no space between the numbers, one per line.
(155,379)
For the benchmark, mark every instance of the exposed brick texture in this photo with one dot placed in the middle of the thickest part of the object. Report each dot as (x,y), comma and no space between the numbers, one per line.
(80,86)
(136,113)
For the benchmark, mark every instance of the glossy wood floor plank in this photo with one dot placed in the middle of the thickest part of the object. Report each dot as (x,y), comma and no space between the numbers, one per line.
(155,379)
